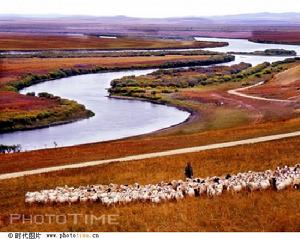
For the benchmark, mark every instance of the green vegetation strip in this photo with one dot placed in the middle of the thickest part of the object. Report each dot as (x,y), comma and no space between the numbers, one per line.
(153,85)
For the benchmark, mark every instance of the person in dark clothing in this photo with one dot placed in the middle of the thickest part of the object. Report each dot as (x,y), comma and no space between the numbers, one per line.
(188,171)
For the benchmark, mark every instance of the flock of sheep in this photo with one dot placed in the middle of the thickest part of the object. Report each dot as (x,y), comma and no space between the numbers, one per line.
(279,179)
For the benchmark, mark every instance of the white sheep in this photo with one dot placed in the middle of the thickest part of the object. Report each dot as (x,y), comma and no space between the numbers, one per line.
(111,194)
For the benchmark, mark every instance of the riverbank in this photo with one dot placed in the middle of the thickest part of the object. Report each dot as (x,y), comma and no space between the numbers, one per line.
(276,37)
(59,111)
(103,53)
(268,52)
(193,114)
(18,79)
(14,69)
(208,98)
(218,117)
(32,79)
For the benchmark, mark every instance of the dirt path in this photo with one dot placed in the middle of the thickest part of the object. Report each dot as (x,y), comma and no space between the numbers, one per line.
(152,155)
(238,93)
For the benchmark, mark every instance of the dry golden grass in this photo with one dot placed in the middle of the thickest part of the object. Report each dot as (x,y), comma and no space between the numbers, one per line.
(287,77)
(257,211)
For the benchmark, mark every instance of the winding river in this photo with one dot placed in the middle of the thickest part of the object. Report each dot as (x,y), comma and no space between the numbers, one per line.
(114,118)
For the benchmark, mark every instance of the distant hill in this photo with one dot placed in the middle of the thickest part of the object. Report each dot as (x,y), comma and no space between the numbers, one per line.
(262,18)
(290,17)
(231,26)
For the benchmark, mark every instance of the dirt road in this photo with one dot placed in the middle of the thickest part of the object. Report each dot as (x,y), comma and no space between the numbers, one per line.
(238,93)
(152,155)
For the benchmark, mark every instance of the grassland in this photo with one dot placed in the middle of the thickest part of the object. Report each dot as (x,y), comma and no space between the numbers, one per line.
(163,81)
(216,117)
(258,211)
(284,85)
(278,37)
(96,53)
(50,42)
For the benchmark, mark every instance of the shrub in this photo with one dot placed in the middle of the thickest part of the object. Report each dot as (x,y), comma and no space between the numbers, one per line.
(45,95)
(10,148)
(31,94)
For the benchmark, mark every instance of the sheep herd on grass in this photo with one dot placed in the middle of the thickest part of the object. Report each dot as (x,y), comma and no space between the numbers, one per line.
(279,179)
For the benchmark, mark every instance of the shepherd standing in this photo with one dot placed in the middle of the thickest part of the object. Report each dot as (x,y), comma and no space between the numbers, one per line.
(188,170)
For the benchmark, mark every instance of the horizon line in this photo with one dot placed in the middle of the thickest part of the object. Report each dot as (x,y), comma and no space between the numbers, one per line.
(128,16)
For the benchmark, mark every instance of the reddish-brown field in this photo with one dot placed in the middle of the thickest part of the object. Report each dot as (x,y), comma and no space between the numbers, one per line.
(9,41)
(17,66)
(12,68)
(279,36)
(287,37)
(12,101)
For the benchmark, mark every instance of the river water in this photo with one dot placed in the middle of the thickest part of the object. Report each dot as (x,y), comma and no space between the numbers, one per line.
(114,118)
